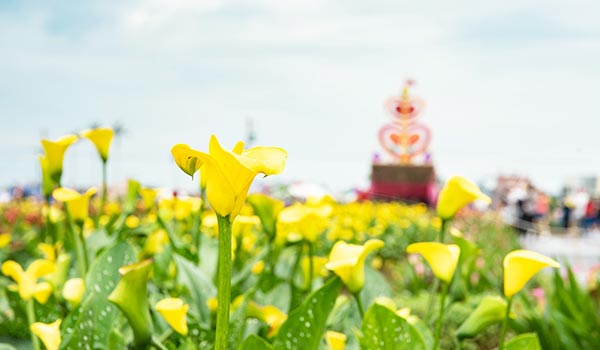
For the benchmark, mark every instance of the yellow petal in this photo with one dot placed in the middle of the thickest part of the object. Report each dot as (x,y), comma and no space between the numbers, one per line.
(65,194)
(5,239)
(73,291)
(186,158)
(266,160)
(520,266)
(348,260)
(39,268)
(48,333)
(336,340)
(174,311)
(54,152)
(42,291)
(457,193)
(48,251)
(78,204)
(101,138)
(148,197)
(13,270)
(442,258)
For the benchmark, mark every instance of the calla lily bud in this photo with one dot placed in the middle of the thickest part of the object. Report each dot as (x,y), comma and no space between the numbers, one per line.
(268,314)
(49,333)
(267,209)
(131,297)
(54,153)
(348,262)
(520,266)
(490,310)
(442,258)
(73,291)
(101,138)
(174,311)
(336,340)
(457,193)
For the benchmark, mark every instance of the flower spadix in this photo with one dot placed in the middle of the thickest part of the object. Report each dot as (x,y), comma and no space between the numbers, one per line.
(27,284)
(101,138)
(78,204)
(442,258)
(174,311)
(229,174)
(54,152)
(348,262)
(49,333)
(457,193)
(520,266)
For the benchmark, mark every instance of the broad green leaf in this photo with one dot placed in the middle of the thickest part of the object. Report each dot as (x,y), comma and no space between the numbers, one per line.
(254,342)
(237,321)
(305,325)
(92,323)
(7,347)
(382,329)
(375,286)
(526,341)
(198,285)
(202,337)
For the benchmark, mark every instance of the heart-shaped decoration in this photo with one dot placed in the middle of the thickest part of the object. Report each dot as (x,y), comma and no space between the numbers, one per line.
(405,108)
(404,142)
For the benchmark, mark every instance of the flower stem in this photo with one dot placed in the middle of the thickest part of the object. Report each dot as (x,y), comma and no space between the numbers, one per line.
(84,250)
(224,290)
(158,344)
(438,328)
(311,253)
(505,324)
(76,242)
(359,303)
(31,320)
(442,232)
(104,189)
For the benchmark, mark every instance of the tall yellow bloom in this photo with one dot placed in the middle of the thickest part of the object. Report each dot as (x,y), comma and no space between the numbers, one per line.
(174,311)
(27,284)
(520,266)
(54,152)
(442,258)
(457,193)
(49,333)
(229,174)
(78,204)
(348,262)
(101,138)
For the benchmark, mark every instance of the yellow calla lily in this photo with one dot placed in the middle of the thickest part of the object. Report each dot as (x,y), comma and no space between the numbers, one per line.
(47,182)
(303,221)
(27,280)
(148,197)
(268,314)
(54,153)
(457,193)
(336,340)
(520,266)
(442,258)
(49,333)
(101,138)
(42,291)
(229,174)
(5,239)
(348,262)
(174,311)
(73,291)
(78,204)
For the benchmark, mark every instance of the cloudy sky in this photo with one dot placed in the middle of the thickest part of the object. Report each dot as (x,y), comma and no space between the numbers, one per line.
(511,87)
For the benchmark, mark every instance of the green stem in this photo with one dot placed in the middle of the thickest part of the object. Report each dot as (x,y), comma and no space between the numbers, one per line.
(293,301)
(157,343)
(31,320)
(86,259)
(359,303)
(104,189)
(197,234)
(442,232)
(49,227)
(505,324)
(79,254)
(311,253)
(438,328)
(224,290)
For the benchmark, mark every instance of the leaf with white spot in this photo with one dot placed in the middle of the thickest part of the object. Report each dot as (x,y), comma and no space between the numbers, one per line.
(198,287)
(89,326)
(306,324)
(382,329)
(254,342)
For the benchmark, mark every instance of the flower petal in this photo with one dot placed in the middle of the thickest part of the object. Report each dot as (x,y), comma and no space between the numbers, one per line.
(186,158)
(520,266)
(266,160)
(48,333)
(442,258)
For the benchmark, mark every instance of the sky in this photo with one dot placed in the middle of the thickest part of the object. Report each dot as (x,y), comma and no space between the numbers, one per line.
(511,86)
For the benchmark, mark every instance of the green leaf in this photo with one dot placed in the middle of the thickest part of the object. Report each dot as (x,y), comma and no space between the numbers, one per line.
(375,286)
(254,342)
(94,320)
(526,341)
(202,337)
(198,285)
(306,324)
(382,329)
(7,347)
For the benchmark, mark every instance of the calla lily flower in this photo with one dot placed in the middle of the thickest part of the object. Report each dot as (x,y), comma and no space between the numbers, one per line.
(348,262)
(27,280)
(442,258)
(304,222)
(520,266)
(101,138)
(336,340)
(268,314)
(78,204)
(148,197)
(267,209)
(174,311)
(457,193)
(229,174)
(491,309)
(73,291)
(54,152)
(49,333)
(131,297)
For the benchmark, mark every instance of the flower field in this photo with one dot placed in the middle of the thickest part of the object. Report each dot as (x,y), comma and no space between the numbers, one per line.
(230,270)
